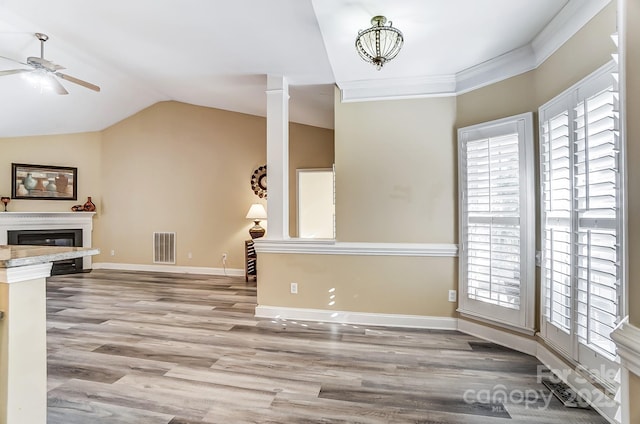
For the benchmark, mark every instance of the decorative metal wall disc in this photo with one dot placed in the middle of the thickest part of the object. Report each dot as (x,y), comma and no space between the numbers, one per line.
(259,181)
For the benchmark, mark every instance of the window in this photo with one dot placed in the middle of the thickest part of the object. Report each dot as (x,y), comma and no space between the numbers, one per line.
(581,220)
(497,221)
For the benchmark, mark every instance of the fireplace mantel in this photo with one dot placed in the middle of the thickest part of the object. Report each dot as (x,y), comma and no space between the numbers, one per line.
(10,221)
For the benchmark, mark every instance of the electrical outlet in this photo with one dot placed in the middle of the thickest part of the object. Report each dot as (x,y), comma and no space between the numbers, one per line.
(453,296)
(189,255)
(113,252)
(294,288)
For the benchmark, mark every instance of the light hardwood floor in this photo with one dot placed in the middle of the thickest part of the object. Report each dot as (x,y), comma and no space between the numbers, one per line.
(142,348)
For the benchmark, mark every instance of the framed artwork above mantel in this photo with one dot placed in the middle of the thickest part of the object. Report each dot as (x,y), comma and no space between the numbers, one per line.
(43,182)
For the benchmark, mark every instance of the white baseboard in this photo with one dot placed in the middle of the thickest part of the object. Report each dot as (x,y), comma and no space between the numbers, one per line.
(501,337)
(360,318)
(229,272)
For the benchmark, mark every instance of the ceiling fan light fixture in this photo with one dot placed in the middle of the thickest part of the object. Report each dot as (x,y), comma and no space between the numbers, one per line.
(380,43)
(39,79)
(44,74)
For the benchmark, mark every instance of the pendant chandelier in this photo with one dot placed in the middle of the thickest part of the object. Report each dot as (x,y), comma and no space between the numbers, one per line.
(379,44)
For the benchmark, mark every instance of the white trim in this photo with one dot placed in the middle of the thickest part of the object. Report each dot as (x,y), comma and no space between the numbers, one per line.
(575,15)
(492,321)
(627,339)
(563,26)
(397,88)
(229,272)
(278,156)
(360,318)
(498,69)
(25,273)
(331,247)
(513,341)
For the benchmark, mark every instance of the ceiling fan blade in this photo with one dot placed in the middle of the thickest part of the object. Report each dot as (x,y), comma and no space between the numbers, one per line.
(55,84)
(15,71)
(13,60)
(78,81)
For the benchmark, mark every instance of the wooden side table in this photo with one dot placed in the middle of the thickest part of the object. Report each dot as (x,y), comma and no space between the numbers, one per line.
(251,261)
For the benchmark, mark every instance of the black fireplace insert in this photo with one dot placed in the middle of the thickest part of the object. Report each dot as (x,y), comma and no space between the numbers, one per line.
(70,238)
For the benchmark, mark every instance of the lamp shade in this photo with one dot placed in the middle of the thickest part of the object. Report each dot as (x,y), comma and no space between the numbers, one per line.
(257,212)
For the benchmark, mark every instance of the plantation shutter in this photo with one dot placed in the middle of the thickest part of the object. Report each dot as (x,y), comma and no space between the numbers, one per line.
(556,174)
(494,191)
(598,244)
(493,220)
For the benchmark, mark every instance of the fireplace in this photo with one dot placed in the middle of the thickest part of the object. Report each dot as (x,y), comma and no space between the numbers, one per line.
(57,237)
(45,221)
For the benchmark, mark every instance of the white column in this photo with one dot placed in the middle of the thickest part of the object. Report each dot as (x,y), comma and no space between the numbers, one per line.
(23,344)
(277,157)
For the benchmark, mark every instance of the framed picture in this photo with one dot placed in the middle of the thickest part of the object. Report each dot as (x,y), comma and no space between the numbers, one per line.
(43,182)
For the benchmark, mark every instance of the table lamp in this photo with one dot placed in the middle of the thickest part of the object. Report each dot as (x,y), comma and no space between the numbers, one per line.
(256,213)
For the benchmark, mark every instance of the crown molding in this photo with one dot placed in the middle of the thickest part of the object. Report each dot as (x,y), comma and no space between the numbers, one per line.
(563,26)
(575,15)
(397,88)
(500,68)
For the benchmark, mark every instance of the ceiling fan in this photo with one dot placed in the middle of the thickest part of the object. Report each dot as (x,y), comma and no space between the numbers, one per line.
(46,71)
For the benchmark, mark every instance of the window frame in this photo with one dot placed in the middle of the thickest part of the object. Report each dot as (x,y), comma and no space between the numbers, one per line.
(522,319)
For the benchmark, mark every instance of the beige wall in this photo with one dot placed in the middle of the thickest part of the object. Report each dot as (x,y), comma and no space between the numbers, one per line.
(170,167)
(395,182)
(80,150)
(505,98)
(183,168)
(309,147)
(375,284)
(396,171)
(634,395)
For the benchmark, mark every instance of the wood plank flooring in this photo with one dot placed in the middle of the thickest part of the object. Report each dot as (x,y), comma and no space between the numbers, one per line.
(151,348)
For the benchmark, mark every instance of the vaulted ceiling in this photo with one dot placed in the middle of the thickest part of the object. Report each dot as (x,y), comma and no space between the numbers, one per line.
(217,54)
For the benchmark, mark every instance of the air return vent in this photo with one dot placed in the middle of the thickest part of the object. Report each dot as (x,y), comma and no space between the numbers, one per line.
(164,248)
